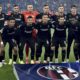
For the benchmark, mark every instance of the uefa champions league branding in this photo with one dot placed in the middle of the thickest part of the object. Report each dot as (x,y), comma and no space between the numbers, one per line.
(52,72)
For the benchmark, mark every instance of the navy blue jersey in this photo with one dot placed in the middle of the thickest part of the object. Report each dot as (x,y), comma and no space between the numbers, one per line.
(26,30)
(18,17)
(60,29)
(2,20)
(73,22)
(56,17)
(9,33)
(44,30)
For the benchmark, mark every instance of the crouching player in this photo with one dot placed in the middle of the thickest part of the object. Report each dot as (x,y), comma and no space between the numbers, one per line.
(59,38)
(2,52)
(27,38)
(43,38)
(8,35)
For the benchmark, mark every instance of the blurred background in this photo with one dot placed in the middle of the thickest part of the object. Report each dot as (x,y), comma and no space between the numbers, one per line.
(38,4)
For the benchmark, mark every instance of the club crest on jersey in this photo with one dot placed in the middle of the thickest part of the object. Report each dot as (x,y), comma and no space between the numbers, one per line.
(20,16)
(52,72)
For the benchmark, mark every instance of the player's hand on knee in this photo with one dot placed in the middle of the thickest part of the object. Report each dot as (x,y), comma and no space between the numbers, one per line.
(64,48)
(15,50)
(52,48)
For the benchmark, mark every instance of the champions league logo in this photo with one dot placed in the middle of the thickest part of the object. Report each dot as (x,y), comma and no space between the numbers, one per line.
(52,72)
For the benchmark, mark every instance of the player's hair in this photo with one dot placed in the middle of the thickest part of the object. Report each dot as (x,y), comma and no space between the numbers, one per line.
(62,17)
(30,4)
(45,15)
(61,5)
(29,17)
(11,18)
(73,6)
(46,5)
(15,5)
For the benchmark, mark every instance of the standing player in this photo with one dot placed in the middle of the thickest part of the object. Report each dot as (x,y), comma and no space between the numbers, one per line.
(72,18)
(30,12)
(60,13)
(59,38)
(8,35)
(27,38)
(43,36)
(46,10)
(17,15)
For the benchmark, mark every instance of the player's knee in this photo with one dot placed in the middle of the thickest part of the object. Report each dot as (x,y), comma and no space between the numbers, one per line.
(52,47)
(64,48)
(15,50)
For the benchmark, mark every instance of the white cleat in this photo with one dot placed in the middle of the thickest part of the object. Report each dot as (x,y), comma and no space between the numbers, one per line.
(45,61)
(14,62)
(10,61)
(32,62)
(1,64)
(37,62)
(64,62)
(77,61)
(21,62)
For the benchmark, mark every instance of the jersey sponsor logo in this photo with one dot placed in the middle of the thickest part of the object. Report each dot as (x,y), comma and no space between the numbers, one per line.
(60,29)
(57,72)
(1,18)
(18,19)
(44,29)
(28,31)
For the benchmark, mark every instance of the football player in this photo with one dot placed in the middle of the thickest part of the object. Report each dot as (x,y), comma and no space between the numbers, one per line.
(43,38)
(27,38)
(59,38)
(30,12)
(73,17)
(8,35)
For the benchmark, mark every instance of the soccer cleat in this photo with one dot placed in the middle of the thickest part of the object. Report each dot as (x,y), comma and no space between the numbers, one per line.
(37,62)
(14,62)
(45,61)
(63,61)
(77,61)
(21,62)
(32,61)
(1,64)
(10,61)
(56,60)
